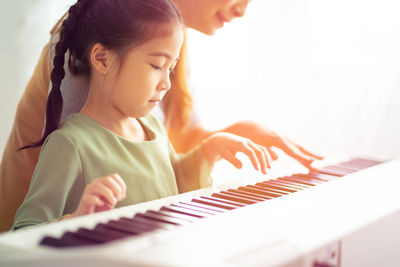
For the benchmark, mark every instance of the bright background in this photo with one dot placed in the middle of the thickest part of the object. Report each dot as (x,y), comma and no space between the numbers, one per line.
(324,73)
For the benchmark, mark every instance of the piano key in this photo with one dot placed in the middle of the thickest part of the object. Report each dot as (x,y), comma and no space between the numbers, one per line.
(229,202)
(101,234)
(161,218)
(134,223)
(193,213)
(293,185)
(332,172)
(368,162)
(175,215)
(234,198)
(257,191)
(202,206)
(250,193)
(307,179)
(130,228)
(68,239)
(211,203)
(320,176)
(146,221)
(273,186)
(258,199)
(191,208)
(343,170)
(298,181)
(274,191)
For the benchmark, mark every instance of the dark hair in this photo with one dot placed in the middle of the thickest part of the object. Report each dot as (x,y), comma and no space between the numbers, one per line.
(116,24)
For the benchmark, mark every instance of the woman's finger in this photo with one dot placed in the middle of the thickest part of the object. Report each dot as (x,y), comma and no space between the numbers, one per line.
(295,153)
(261,156)
(273,154)
(308,153)
(247,150)
(230,157)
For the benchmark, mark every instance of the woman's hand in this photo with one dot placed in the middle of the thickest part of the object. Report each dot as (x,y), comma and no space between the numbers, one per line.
(268,139)
(100,195)
(226,145)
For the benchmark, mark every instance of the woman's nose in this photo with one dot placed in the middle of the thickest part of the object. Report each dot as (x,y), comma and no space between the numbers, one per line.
(239,9)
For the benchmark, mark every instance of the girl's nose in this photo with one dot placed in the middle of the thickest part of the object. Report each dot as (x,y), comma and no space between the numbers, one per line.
(165,83)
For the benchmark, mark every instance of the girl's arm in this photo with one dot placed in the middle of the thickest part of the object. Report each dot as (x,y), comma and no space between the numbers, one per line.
(186,139)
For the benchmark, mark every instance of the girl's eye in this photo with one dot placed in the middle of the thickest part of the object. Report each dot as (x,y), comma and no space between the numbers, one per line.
(155,67)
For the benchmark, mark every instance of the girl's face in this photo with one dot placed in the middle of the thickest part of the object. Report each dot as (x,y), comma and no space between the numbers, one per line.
(143,78)
(209,15)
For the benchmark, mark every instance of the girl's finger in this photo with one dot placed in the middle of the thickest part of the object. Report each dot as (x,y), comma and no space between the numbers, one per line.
(102,191)
(120,181)
(114,186)
(88,204)
(267,156)
(262,158)
(295,153)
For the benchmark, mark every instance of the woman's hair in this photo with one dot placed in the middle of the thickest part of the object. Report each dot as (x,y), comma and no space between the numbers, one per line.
(118,25)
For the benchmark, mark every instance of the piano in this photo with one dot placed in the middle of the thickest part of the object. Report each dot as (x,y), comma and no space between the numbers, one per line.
(346,214)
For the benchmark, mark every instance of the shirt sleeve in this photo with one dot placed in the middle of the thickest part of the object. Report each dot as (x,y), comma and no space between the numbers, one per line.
(192,170)
(56,186)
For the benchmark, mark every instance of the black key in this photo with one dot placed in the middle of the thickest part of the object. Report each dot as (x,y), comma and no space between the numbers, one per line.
(101,234)
(240,191)
(206,207)
(274,191)
(133,229)
(293,185)
(229,202)
(320,176)
(233,198)
(298,181)
(161,218)
(236,194)
(274,186)
(191,207)
(214,203)
(180,210)
(180,216)
(257,191)
(307,179)
(145,221)
(69,239)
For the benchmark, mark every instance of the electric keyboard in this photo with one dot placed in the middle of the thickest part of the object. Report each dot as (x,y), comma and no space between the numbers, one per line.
(313,219)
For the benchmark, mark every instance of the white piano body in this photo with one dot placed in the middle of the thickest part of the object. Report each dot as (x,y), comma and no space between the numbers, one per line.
(351,221)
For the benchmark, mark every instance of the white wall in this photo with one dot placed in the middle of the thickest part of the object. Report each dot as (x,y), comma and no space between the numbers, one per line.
(24,30)
(326,73)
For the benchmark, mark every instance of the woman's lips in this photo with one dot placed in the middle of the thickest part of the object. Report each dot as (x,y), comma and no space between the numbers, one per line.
(222,19)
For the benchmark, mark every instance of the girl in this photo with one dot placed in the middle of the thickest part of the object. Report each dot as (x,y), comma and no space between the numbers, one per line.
(114,152)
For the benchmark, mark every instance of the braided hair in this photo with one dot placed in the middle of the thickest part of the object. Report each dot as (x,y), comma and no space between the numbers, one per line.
(116,24)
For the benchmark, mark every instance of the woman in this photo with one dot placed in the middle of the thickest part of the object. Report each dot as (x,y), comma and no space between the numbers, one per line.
(17,166)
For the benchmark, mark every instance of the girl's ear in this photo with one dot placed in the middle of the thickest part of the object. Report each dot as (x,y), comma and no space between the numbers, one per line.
(100,58)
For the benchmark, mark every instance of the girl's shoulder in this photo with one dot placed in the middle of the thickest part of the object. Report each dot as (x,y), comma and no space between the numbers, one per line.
(154,122)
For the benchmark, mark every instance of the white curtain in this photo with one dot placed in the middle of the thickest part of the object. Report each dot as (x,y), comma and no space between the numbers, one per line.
(324,73)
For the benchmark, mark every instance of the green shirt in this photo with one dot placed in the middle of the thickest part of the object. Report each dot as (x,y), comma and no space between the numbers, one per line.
(83,150)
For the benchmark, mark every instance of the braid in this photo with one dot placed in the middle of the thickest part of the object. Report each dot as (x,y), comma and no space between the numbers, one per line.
(54,100)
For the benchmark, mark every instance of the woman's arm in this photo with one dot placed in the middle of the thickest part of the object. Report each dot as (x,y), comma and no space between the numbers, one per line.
(186,139)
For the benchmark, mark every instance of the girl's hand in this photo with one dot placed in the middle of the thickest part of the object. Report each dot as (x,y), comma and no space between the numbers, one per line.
(100,195)
(226,145)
